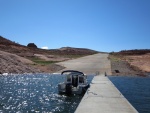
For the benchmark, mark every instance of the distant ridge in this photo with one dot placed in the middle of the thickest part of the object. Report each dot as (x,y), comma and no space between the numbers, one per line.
(4,41)
(11,47)
(67,48)
(73,50)
(133,52)
(15,48)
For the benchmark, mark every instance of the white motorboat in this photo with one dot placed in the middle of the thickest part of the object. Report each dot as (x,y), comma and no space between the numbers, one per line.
(75,83)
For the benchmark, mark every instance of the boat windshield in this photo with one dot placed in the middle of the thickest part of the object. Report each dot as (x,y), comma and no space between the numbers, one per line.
(68,78)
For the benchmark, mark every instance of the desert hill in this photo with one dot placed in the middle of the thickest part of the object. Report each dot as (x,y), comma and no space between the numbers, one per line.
(12,47)
(14,55)
(134,52)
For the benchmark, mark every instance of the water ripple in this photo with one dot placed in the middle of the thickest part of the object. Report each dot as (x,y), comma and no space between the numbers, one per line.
(35,94)
(136,90)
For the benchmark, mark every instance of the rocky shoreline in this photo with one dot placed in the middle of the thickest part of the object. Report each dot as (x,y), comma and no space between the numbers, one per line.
(123,68)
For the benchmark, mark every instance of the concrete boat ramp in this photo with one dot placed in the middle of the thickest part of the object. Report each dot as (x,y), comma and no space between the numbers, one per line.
(97,63)
(102,96)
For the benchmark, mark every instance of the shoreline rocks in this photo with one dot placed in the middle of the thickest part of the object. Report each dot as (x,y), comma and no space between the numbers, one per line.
(123,68)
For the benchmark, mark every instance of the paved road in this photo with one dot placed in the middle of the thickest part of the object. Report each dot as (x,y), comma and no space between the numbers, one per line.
(91,64)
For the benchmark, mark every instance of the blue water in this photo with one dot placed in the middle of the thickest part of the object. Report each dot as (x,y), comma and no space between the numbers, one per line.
(38,93)
(35,94)
(136,90)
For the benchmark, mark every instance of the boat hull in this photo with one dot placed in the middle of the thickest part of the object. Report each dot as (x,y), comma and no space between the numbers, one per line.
(68,89)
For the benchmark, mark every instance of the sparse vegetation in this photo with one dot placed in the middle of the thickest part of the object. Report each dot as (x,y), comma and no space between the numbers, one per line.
(44,62)
(41,61)
(114,58)
(73,56)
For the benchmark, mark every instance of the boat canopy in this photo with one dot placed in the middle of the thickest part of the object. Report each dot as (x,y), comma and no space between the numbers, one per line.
(73,72)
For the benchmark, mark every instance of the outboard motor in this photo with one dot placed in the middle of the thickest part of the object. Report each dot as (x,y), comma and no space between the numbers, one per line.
(68,88)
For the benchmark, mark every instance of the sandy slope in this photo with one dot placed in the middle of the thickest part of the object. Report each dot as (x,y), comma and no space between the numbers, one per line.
(11,63)
(140,61)
(130,64)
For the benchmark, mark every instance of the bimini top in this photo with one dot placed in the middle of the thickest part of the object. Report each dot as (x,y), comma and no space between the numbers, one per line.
(73,72)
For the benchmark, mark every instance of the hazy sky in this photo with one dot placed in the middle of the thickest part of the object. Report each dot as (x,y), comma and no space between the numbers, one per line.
(103,25)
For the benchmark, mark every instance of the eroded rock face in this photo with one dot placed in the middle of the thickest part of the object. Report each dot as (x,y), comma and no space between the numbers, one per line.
(32,45)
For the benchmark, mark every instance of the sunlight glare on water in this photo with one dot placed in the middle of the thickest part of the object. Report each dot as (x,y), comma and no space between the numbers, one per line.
(35,94)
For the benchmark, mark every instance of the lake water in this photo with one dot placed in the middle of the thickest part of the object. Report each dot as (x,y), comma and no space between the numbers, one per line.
(38,93)
(35,94)
(136,90)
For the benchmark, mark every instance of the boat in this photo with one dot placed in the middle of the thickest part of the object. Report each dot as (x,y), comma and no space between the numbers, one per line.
(75,83)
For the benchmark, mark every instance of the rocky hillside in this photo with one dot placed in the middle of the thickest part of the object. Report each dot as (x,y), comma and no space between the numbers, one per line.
(11,63)
(12,47)
(15,58)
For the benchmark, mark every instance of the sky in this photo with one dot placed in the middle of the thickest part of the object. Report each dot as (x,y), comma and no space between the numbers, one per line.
(102,25)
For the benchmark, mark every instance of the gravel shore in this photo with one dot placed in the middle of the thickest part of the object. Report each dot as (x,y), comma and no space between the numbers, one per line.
(123,68)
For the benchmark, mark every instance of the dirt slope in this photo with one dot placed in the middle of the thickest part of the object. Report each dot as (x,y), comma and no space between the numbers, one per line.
(131,62)
(11,63)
